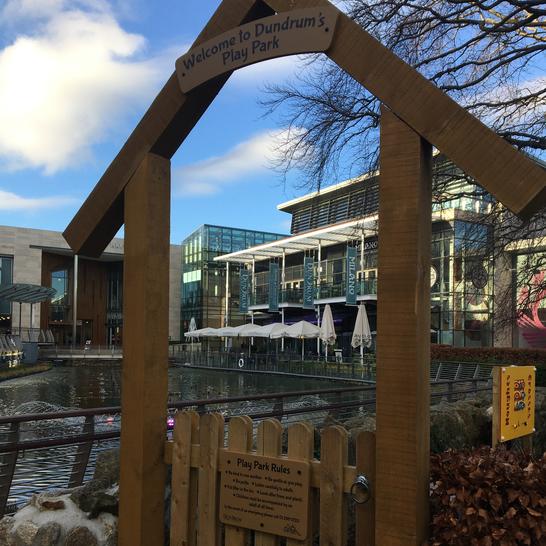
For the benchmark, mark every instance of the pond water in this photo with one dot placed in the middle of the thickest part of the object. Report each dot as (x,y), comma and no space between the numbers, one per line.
(93,387)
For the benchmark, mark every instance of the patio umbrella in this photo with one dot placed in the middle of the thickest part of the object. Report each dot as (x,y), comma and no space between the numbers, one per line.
(362,335)
(302,330)
(275,330)
(203,332)
(192,328)
(327,329)
(247,330)
(227,331)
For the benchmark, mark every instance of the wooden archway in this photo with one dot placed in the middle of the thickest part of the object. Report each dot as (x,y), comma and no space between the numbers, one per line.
(135,191)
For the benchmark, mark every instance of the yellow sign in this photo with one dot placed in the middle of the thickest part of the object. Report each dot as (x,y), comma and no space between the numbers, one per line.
(517,402)
(269,494)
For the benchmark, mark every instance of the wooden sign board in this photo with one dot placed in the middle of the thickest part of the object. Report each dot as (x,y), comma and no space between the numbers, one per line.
(516,402)
(289,33)
(268,494)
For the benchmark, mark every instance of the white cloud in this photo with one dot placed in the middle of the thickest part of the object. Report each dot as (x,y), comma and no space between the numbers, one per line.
(12,202)
(64,86)
(249,157)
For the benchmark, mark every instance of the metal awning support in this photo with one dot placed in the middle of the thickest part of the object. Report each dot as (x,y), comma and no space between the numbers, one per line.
(327,236)
(26,293)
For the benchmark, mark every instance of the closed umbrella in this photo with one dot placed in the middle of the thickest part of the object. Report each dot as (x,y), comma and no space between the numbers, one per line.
(192,328)
(327,329)
(362,336)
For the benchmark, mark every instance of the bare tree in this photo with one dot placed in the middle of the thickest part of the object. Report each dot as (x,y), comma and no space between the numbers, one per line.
(490,56)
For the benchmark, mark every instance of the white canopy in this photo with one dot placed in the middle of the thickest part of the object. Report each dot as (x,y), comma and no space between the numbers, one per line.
(274,330)
(227,331)
(248,330)
(244,330)
(303,330)
(203,332)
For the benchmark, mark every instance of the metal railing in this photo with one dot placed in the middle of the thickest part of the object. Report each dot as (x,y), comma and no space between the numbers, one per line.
(96,352)
(292,364)
(322,291)
(289,363)
(59,450)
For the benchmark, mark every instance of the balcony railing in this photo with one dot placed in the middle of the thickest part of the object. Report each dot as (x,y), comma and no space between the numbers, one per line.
(324,291)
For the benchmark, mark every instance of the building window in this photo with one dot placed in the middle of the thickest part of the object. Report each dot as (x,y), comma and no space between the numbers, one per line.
(60,301)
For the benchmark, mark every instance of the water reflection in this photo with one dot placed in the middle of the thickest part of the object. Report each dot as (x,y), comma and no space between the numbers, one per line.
(90,387)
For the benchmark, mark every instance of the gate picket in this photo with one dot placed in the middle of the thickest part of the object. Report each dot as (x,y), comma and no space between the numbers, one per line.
(333,504)
(239,440)
(300,447)
(185,432)
(365,513)
(211,432)
(269,443)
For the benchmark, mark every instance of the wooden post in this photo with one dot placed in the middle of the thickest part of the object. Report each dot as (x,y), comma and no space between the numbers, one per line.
(495,426)
(365,513)
(403,335)
(145,353)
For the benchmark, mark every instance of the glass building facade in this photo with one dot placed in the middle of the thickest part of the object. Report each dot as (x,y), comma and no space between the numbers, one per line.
(203,295)
(462,271)
(462,294)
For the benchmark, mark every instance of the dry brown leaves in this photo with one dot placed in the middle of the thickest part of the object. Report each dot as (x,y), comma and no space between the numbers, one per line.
(487,497)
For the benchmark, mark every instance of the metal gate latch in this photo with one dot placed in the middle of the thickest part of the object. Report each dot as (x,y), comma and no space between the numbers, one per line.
(361,490)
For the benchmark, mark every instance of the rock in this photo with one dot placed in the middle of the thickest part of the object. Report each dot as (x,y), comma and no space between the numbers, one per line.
(6,526)
(25,533)
(107,467)
(456,425)
(100,502)
(80,495)
(80,536)
(94,498)
(52,504)
(48,535)
(110,526)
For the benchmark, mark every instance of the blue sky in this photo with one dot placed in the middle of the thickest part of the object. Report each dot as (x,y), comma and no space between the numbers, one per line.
(75,78)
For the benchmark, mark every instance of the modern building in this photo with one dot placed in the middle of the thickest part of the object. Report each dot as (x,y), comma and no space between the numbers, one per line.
(204,287)
(89,291)
(334,236)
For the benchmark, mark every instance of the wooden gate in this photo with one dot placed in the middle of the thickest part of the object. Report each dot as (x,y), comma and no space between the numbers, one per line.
(200,449)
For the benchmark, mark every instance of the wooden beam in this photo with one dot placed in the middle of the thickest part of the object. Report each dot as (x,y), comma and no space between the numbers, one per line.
(145,353)
(403,335)
(515,180)
(161,131)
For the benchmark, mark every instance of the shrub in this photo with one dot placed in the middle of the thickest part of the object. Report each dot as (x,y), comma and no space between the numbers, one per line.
(487,497)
